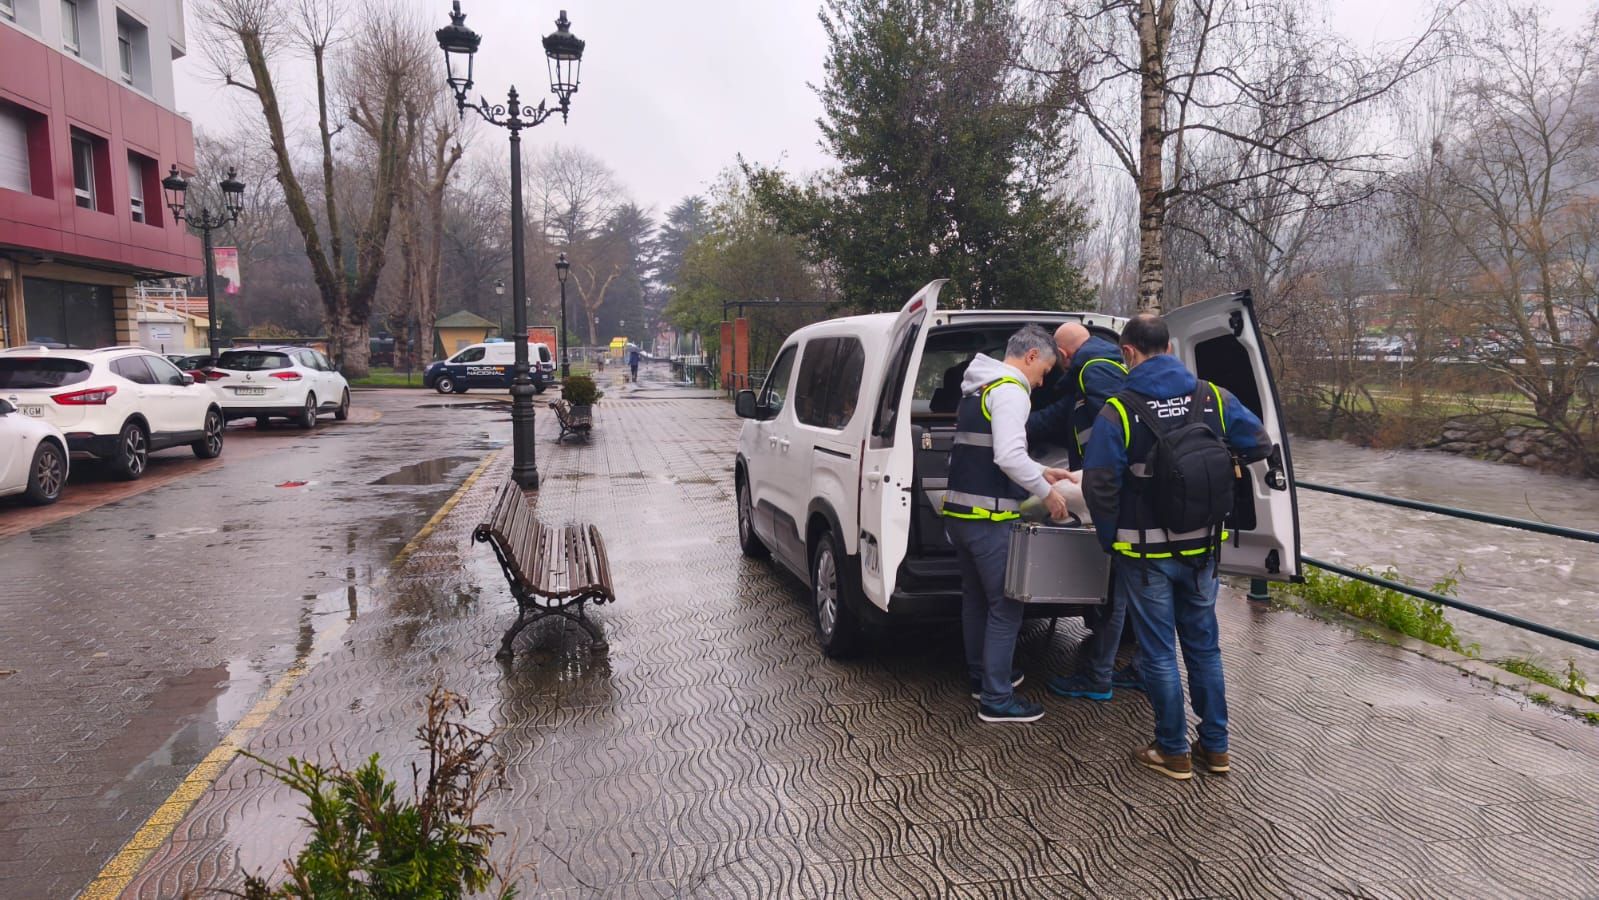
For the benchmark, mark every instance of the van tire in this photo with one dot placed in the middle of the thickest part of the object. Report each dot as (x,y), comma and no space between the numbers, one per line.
(833,597)
(539,386)
(748,540)
(444,385)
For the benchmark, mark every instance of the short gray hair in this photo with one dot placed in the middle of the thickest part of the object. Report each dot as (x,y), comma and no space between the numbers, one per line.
(1031,338)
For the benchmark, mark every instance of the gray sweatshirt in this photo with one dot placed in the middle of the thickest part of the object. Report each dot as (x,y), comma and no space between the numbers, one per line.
(1009,406)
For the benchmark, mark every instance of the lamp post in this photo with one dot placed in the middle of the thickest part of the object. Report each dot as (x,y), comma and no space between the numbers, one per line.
(499,291)
(565,54)
(175,187)
(561,267)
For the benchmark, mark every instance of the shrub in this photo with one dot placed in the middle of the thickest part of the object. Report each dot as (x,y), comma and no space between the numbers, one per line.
(368,843)
(579,390)
(1421,619)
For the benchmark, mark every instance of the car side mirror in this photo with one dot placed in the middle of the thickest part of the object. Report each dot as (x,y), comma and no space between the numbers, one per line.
(745,405)
(185,379)
(6,408)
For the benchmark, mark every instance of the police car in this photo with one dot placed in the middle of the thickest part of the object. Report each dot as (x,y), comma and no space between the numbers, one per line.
(488,365)
(844,454)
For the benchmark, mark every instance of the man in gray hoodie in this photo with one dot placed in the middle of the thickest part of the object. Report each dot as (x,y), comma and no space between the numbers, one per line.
(990,474)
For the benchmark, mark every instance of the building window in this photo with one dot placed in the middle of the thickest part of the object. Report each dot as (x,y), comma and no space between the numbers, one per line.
(133,52)
(83,171)
(15,173)
(66,314)
(70,35)
(22,13)
(136,187)
(8,10)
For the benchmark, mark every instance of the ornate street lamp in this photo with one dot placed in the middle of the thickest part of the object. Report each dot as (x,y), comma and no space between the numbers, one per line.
(565,54)
(561,267)
(176,189)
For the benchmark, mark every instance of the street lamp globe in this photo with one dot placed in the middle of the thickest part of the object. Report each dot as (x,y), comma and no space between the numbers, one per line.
(565,52)
(459,44)
(175,187)
(499,287)
(233,193)
(561,267)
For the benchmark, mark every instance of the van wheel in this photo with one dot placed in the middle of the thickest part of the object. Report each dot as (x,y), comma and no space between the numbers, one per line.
(748,541)
(444,385)
(833,597)
(539,386)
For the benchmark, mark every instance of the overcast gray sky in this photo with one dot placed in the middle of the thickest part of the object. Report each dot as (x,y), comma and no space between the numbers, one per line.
(673,91)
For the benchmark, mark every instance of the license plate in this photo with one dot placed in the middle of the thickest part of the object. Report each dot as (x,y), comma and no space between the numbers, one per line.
(34,411)
(249,392)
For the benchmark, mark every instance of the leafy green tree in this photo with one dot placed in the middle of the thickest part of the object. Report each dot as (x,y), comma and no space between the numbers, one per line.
(951,161)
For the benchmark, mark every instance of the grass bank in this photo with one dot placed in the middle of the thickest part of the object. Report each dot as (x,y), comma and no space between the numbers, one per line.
(389,378)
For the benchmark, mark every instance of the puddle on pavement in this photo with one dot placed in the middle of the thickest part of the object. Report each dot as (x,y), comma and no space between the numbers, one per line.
(481,404)
(432,471)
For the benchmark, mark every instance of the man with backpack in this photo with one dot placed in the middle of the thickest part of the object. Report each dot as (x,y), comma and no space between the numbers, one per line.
(1159,475)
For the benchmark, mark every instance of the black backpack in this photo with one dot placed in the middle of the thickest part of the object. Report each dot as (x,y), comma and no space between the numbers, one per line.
(1190,469)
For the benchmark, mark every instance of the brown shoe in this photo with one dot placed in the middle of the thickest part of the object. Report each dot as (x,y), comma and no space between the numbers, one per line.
(1214,763)
(1177,766)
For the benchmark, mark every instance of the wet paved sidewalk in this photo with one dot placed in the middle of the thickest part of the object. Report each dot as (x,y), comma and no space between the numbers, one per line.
(711,751)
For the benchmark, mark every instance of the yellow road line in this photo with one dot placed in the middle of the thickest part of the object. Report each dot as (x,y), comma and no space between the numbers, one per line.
(117,874)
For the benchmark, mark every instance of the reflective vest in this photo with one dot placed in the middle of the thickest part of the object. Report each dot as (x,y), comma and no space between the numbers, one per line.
(1137,535)
(1083,417)
(978,487)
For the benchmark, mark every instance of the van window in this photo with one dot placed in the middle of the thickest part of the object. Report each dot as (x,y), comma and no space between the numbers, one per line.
(829,382)
(899,359)
(774,394)
(470,354)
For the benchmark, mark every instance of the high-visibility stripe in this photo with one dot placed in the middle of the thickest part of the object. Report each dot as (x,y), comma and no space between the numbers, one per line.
(994,384)
(973,439)
(1082,388)
(977,501)
(1221,408)
(980,515)
(1127,430)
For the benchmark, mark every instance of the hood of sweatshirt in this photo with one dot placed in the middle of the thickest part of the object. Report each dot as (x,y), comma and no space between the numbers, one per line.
(1161,378)
(983,369)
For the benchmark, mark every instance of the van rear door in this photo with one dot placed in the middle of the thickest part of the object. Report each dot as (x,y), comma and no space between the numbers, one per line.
(888,459)
(1219,339)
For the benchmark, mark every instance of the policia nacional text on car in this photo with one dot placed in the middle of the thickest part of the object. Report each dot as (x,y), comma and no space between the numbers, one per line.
(990,474)
(1158,479)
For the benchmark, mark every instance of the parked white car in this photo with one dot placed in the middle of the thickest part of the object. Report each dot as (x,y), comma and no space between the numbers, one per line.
(842,461)
(296,383)
(33,457)
(119,404)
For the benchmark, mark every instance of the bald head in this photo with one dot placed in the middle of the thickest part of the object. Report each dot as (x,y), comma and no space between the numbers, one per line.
(1068,338)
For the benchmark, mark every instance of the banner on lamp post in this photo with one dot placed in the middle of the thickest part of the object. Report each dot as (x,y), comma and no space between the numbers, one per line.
(226,260)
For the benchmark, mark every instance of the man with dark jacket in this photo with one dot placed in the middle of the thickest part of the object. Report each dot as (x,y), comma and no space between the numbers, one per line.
(1166,580)
(1091,373)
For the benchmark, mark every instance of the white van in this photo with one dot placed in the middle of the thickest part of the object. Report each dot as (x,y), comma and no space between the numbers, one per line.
(488,365)
(844,451)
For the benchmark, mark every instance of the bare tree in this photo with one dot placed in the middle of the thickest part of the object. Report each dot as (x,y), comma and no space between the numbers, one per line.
(1521,183)
(246,41)
(1162,82)
(577,197)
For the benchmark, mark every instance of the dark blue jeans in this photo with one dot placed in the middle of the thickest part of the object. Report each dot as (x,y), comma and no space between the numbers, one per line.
(1168,600)
(1099,648)
(991,621)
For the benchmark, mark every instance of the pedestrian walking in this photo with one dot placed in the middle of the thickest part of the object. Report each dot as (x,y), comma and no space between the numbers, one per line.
(632,362)
(1158,478)
(990,474)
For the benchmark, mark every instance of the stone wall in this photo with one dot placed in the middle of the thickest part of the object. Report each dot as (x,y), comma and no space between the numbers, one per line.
(1487,437)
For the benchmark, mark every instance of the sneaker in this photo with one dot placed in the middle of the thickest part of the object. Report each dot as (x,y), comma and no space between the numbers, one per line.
(1218,763)
(1079,687)
(1177,766)
(1016,678)
(1127,677)
(1017,710)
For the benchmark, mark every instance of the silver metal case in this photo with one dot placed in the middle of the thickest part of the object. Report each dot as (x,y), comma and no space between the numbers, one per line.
(1056,564)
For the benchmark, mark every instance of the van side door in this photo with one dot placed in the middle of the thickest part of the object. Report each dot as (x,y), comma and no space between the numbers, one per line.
(887,457)
(770,493)
(1219,340)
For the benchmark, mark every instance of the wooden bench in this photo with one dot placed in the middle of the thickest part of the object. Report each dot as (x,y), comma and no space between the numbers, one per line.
(551,568)
(571,423)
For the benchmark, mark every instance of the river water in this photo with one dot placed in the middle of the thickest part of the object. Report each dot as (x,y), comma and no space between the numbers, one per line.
(1546,579)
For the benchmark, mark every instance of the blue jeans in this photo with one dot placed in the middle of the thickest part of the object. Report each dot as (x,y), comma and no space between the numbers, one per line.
(1168,600)
(990,620)
(1099,648)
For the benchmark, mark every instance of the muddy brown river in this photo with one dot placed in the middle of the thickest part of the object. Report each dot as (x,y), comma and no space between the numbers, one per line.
(1546,579)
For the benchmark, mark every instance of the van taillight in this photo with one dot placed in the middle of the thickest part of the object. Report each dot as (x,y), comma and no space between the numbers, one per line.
(87,397)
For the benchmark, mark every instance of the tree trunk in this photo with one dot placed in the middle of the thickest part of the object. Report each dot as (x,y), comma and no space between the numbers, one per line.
(1153,29)
(354,334)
